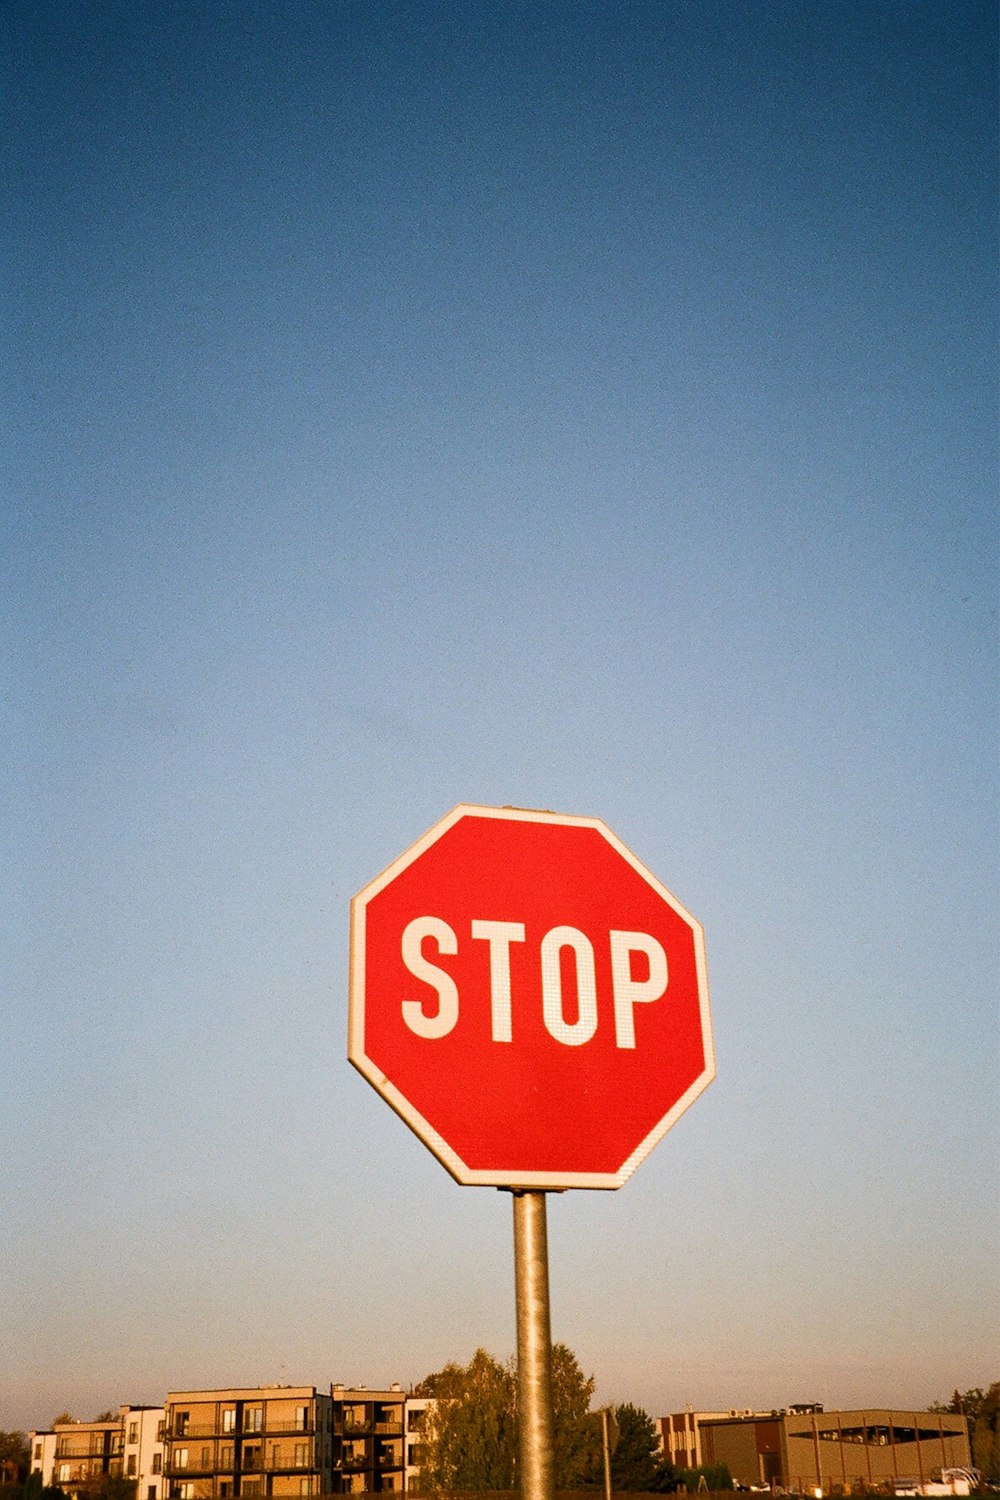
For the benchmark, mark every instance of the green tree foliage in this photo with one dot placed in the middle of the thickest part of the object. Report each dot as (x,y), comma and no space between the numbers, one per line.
(986,1434)
(113,1487)
(576,1437)
(710,1477)
(983,1411)
(469,1440)
(33,1489)
(634,1463)
(14,1454)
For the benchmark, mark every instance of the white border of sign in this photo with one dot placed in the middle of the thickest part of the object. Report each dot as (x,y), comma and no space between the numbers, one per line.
(555,1181)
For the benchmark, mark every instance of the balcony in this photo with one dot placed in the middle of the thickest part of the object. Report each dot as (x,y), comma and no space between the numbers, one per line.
(351,1462)
(182,1434)
(279,1463)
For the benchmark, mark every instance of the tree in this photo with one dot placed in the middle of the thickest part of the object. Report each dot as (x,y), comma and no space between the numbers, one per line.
(470,1435)
(64,1416)
(14,1456)
(469,1440)
(634,1463)
(34,1489)
(983,1411)
(113,1486)
(576,1438)
(986,1433)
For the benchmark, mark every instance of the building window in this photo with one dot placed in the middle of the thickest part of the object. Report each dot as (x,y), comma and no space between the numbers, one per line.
(133,1432)
(180,1458)
(185,1491)
(63,1473)
(181,1423)
(250,1487)
(302,1417)
(157,1463)
(130,1466)
(226,1456)
(229,1419)
(253,1418)
(301,1455)
(151,1492)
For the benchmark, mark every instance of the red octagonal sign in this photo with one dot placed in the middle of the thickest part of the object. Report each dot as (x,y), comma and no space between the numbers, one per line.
(529,998)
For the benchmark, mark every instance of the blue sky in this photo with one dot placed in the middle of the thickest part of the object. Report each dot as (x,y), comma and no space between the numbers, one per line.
(576,406)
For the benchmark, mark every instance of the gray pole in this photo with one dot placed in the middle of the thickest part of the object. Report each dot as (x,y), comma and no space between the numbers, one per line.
(606,1445)
(534,1346)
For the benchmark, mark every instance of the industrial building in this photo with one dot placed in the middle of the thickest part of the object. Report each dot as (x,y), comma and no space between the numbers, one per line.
(680,1435)
(805,1449)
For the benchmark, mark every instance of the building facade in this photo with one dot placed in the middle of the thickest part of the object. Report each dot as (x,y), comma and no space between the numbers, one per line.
(143,1450)
(42,1454)
(248,1441)
(76,1456)
(369,1428)
(418,1409)
(680,1435)
(844,1452)
(80,1454)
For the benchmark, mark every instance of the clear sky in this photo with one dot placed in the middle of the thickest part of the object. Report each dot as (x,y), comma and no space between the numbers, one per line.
(564,405)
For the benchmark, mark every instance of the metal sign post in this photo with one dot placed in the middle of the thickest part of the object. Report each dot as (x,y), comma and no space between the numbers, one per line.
(534,1346)
(606,1450)
(461,951)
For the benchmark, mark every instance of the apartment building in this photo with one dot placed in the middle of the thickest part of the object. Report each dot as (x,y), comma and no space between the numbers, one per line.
(417,1408)
(86,1452)
(248,1441)
(42,1454)
(142,1450)
(77,1455)
(369,1427)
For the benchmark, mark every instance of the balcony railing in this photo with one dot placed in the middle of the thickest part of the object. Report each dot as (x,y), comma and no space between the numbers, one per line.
(216,1429)
(197,1468)
(192,1469)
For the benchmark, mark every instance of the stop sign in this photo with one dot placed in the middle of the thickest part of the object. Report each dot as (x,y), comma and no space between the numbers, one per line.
(529,998)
